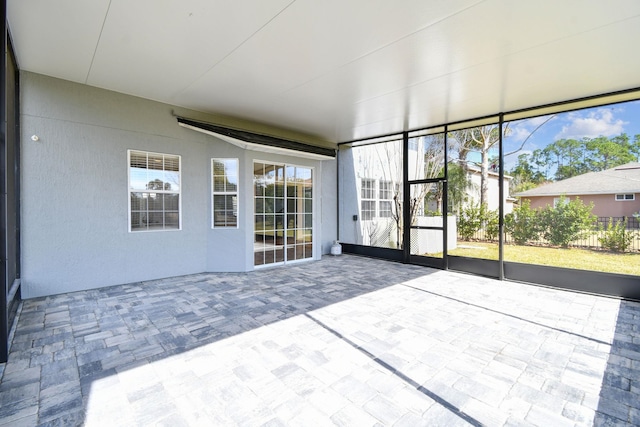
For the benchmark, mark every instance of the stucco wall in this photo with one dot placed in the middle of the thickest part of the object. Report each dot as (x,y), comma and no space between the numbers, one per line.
(605,205)
(75,200)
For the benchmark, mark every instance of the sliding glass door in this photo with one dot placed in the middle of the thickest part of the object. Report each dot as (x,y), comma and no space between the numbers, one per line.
(283,213)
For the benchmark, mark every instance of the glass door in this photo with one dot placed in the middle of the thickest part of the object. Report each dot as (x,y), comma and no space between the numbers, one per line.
(427,214)
(283,214)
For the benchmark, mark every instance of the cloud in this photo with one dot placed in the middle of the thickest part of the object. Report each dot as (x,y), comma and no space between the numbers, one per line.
(600,122)
(524,128)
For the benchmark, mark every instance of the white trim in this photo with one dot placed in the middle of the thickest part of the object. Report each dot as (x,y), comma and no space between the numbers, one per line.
(130,190)
(315,185)
(225,193)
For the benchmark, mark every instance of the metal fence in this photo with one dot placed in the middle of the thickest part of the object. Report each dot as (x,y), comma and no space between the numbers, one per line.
(632,223)
(591,241)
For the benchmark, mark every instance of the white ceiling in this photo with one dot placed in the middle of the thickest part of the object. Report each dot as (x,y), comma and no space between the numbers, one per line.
(336,69)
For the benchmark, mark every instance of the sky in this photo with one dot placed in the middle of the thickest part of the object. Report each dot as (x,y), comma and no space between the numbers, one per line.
(609,121)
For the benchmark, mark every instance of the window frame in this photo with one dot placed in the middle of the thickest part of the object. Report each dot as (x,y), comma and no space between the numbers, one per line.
(131,190)
(368,198)
(385,196)
(215,193)
(385,190)
(625,198)
(556,200)
(385,209)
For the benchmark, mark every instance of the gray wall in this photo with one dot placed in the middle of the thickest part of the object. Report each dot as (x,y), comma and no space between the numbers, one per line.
(75,201)
(350,230)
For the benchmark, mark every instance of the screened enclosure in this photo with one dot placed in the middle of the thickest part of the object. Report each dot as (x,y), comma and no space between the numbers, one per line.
(548,195)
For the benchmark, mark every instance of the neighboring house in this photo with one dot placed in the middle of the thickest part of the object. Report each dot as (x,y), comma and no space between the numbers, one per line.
(474,175)
(614,192)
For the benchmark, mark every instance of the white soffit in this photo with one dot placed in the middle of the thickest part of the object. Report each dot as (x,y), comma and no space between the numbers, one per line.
(336,69)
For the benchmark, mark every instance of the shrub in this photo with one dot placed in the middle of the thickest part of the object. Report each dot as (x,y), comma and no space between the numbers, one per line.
(523,223)
(616,237)
(473,218)
(567,221)
(469,221)
(492,224)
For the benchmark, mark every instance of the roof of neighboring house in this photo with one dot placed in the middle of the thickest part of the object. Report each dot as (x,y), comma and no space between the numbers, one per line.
(618,180)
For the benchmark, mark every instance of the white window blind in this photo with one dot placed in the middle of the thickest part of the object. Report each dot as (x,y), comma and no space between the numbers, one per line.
(224,181)
(154,191)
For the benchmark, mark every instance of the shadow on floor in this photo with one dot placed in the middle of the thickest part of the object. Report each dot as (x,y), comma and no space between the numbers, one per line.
(619,400)
(65,343)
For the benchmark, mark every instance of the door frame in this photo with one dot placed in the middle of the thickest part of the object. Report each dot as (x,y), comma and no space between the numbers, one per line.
(285,245)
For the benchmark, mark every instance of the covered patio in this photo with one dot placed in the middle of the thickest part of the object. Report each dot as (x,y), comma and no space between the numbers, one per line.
(324,343)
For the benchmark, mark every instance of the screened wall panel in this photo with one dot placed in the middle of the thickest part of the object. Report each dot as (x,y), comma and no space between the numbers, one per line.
(576,181)
(371,198)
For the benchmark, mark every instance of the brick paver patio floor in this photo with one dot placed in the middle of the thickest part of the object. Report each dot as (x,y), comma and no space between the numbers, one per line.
(346,341)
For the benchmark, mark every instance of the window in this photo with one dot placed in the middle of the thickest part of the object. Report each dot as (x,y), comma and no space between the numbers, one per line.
(386,190)
(623,197)
(385,193)
(224,178)
(384,209)
(368,208)
(557,201)
(368,194)
(368,190)
(154,191)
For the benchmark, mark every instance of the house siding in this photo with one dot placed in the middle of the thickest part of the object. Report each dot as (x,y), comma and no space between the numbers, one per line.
(75,232)
(605,205)
(493,191)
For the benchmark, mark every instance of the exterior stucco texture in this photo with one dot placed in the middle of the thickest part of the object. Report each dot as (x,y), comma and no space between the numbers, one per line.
(74,230)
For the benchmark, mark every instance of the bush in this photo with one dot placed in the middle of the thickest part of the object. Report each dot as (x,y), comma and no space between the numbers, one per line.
(616,237)
(523,223)
(473,218)
(469,221)
(492,224)
(567,221)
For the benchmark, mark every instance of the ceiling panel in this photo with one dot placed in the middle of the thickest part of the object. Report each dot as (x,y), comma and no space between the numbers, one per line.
(583,65)
(336,69)
(56,38)
(156,49)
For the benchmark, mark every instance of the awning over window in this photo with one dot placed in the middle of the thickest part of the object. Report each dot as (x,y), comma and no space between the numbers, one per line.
(257,142)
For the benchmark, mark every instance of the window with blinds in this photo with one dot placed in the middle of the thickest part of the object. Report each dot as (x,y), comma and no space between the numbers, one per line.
(224,182)
(154,191)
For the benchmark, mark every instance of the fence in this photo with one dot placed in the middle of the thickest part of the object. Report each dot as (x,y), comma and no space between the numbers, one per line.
(633,223)
(588,242)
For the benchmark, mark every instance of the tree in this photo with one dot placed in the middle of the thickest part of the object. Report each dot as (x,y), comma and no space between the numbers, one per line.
(566,158)
(480,139)
(604,153)
(635,147)
(458,187)
(157,184)
(524,176)
(569,158)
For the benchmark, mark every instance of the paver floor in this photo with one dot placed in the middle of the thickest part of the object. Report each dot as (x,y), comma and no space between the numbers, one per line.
(345,341)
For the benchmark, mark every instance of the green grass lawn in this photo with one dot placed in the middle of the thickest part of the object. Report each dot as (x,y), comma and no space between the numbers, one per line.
(627,263)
